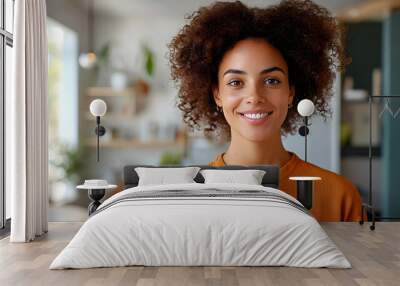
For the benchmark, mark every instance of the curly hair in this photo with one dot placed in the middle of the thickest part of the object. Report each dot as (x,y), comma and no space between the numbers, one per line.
(309,38)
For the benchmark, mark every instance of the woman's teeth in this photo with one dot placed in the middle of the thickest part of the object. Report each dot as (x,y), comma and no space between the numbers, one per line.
(257,115)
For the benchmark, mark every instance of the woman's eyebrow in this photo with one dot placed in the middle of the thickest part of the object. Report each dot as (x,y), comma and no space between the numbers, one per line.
(268,70)
(234,71)
(264,71)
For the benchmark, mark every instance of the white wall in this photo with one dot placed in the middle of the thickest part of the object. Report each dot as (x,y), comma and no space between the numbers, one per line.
(324,139)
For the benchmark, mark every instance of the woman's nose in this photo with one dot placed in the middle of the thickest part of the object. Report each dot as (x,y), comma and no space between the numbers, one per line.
(255,97)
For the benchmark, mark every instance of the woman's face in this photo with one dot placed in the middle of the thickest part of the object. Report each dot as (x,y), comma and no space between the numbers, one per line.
(253,90)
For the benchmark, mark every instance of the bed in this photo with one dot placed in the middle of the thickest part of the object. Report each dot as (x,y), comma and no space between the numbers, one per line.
(201,224)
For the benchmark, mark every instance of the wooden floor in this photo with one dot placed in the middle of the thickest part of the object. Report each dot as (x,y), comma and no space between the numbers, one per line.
(375,256)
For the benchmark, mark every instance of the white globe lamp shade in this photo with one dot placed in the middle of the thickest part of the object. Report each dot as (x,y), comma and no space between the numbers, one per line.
(305,107)
(98,107)
(87,60)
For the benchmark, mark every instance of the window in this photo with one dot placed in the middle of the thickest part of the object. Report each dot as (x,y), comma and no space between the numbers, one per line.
(6,44)
(63,108)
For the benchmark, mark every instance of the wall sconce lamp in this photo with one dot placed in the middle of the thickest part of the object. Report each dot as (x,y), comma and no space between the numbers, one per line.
(98,108)
(305,185)
(305,109)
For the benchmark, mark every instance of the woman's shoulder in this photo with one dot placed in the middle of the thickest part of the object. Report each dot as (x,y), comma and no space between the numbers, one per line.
(302,168)
(298,167)
(218,161)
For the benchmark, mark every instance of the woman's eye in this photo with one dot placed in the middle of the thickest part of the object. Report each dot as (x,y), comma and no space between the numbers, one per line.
(235,83)
(272,81)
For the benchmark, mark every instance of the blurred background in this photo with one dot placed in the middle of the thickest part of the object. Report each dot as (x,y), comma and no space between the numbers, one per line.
(143,125)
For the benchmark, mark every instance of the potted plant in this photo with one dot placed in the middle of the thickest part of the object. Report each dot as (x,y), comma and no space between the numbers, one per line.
(169,158)
(141,86)
(65,172)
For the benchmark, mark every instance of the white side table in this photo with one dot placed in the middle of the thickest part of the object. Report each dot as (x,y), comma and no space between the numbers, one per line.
(305,188)
(96,191)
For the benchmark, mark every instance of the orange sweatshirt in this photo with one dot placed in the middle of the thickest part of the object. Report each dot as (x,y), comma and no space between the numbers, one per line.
(335,198)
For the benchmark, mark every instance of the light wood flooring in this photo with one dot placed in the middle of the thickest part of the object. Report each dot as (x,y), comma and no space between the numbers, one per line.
(374,255)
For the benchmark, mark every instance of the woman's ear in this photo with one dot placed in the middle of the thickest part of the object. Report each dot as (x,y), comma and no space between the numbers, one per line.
(217,99)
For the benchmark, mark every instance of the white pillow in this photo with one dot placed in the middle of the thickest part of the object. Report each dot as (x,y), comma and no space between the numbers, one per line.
(162,176)
(249,177)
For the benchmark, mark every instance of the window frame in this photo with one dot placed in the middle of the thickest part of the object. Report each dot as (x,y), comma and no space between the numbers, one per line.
(6,39)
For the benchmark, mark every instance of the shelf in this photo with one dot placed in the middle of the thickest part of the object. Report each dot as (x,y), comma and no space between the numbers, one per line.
(352,151)
(112,116)
(108,91)
(351,102)
(123,143)
(121,104)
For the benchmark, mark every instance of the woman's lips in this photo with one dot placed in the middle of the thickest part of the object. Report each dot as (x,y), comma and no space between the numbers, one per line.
(254,119)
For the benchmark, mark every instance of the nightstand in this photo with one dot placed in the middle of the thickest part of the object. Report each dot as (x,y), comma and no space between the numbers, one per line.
(305,188)
(96,191)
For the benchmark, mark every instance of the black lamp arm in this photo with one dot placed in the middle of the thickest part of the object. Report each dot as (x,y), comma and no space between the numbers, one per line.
(100,131)
(303,131)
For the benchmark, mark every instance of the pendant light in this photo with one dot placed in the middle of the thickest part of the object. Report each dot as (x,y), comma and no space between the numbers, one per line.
(89,59)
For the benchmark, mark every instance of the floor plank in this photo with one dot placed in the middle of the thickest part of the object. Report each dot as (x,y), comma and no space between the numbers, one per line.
(374,255)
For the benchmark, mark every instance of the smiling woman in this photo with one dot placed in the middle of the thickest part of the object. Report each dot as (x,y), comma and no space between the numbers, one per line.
(241,70)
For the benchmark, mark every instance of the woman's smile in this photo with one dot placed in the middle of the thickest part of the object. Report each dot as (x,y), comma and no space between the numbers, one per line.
(255,117)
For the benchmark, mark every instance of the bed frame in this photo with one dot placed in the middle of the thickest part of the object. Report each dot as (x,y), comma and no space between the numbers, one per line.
(270,179)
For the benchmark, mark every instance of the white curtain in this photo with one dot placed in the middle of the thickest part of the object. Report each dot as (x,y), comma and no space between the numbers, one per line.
(26,127)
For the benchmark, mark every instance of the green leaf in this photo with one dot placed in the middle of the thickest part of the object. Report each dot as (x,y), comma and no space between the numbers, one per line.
(68,159)
(149,61)
(169,158)
(104,54)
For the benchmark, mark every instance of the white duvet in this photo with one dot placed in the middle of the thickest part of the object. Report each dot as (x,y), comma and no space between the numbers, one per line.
(200,231)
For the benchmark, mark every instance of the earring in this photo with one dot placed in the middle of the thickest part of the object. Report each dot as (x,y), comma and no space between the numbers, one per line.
(290,105)
(219,108)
